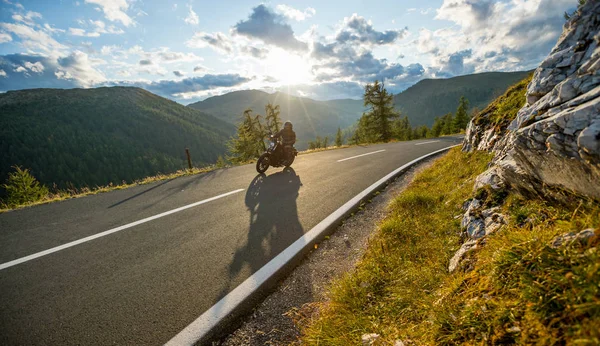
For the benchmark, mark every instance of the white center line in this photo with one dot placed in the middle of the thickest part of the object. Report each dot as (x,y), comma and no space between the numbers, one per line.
(426,142)
(110,231)
(353,157)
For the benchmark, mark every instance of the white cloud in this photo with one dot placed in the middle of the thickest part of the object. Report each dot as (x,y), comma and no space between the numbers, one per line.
(28,18)
(35,67)
(98,28)
(192,18)
(81,32)
(217,41)
(33,39)
(503,36)
(2,74)
(78,67)
(114,10)
(51,29)
(4,37)
(295,14)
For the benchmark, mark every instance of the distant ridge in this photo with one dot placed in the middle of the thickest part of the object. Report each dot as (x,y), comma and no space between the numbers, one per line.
(310,118)
(431,98)
(89,137)
(422,102)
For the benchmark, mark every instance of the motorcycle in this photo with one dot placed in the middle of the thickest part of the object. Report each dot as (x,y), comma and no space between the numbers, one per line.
(275,156)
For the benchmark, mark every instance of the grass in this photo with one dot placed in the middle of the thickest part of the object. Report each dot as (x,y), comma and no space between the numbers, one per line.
(520,290)
(504,109)
(61,195)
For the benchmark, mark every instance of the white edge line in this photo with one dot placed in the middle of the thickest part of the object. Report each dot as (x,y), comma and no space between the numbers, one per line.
(426,142)
(110,231)
(210,319)
(353,157)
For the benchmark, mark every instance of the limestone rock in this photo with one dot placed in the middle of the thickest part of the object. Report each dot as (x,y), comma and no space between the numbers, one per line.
(460,253)
(554,142)
(571,237)
(369,339)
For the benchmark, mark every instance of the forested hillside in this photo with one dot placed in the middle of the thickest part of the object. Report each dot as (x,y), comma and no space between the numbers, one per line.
(89,137)
(310,118)
(431,98)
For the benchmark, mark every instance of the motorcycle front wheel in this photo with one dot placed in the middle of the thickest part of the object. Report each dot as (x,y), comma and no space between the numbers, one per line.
(263,163)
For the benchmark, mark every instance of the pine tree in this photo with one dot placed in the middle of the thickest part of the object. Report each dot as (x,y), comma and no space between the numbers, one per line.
(249,142)
(338,138)
(22,188)
(402,129)
(272,118)
(437,127)
(462,117)
(376,124)
(448,127)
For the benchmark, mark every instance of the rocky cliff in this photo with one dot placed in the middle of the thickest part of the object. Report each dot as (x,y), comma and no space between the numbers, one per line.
(552,146)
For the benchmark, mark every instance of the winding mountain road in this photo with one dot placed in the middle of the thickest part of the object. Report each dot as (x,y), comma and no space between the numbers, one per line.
(137,266)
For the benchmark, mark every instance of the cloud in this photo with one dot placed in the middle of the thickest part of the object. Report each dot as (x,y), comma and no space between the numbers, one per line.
(81,32)
(192,18)
(187,88)
(78,67)
(178,73)
(502,36)
(33,39)
(28,18)
(217,41)
(4,37)
(114,10)
(295,14)
(25,71)
(258,53)
(200,69)
(145,62)
(269,27)
(2,73)
(358,29)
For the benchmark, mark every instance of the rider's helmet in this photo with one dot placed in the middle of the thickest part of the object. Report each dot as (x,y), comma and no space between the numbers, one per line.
(288,125)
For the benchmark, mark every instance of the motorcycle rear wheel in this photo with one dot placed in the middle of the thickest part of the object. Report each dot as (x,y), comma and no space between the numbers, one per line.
(290,161)
(263,163)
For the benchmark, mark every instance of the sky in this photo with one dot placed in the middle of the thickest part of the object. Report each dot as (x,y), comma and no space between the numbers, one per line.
(190,50)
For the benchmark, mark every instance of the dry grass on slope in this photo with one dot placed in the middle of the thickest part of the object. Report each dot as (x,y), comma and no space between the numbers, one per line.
(520,290)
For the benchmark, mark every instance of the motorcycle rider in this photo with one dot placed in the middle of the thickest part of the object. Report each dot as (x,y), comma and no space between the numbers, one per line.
(288,138)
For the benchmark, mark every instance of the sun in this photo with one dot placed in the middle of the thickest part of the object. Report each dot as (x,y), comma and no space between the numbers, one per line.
(287,68)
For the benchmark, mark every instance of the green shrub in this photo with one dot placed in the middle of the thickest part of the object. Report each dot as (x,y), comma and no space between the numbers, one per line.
(22,188)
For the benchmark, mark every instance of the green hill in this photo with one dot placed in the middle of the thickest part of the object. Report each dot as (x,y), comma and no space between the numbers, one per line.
(310,117)
(90,137)
(431,98)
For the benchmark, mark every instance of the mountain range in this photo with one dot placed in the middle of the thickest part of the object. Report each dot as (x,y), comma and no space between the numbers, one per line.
(89,137)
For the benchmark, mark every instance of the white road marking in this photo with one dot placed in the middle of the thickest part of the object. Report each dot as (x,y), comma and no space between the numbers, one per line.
(353,157)
(426,142)
(201,328)
(110,231)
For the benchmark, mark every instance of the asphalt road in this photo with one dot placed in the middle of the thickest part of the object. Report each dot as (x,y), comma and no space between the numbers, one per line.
(144,283)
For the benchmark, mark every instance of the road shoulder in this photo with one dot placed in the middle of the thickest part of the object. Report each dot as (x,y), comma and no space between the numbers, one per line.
(302,291)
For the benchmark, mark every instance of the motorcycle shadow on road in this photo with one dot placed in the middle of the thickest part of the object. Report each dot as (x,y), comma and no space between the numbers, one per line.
(273,221)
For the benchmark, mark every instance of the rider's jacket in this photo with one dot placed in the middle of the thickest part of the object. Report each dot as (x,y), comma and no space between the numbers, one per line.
(288,137)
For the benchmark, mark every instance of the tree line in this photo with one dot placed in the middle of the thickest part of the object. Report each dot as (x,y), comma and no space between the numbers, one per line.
(382,122)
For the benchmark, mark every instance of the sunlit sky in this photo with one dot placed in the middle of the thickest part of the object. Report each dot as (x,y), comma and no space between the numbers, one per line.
(190,50)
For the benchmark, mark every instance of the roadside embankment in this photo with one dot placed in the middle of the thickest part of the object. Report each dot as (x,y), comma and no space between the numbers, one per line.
(532,282)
